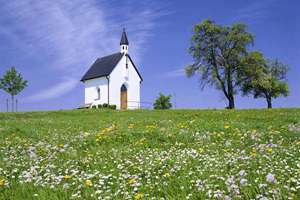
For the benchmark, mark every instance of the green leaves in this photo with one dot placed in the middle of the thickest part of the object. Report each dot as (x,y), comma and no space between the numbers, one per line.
(218,53)
(263,78)
(163,102)
(222,60)
(12,82)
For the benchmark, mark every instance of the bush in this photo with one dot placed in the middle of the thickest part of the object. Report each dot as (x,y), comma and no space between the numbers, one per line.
(99,106)
(94,106)
(105,105)
(113,107)
(163,102)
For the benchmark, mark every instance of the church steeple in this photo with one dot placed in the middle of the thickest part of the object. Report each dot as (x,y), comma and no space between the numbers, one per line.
(124,42)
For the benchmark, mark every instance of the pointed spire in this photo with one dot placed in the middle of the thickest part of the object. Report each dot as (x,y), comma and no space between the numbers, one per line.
(124,40)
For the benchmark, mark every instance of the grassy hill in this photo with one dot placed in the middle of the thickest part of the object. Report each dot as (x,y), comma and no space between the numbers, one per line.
(176,154)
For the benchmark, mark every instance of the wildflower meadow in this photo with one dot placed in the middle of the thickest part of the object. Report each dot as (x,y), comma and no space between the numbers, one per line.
(146,154)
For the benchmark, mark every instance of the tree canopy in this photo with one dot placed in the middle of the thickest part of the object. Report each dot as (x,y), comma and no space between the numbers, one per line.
(218,52)
(163,102)
(12,83)
(265,78)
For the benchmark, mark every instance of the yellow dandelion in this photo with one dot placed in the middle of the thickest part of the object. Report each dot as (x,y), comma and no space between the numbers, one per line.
(138,196)
(253,153)
(226,126)
(2,182)
(98,138)
(201,150)
(270,150)
(298,142)
(131,181)
(131,126)
(67,177)
(166,174)
(88,183)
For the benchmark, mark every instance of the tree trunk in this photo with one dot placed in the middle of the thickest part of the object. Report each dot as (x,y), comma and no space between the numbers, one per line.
(269,101)
(231,102)
(12,103)
(230,89)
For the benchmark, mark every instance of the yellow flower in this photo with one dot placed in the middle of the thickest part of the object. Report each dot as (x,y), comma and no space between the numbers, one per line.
(131,181)
(226,126)
(298,142)
(88,183)
(131,126)
(2,182)
(140,142)
(151,126)
(67,177)
(201,150)
(166,175)
(61,145)
(269,150)
(253,153)
(138,196)
(98,138)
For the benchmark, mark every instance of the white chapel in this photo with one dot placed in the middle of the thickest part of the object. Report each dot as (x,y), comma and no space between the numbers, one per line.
(114,80)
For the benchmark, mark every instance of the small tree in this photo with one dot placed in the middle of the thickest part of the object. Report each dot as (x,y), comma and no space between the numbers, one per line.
(12,83)
(218,52)
(265,79)
(163,102)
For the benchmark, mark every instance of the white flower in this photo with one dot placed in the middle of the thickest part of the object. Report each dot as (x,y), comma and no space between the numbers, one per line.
(242,173)
(200,185)
(243,181)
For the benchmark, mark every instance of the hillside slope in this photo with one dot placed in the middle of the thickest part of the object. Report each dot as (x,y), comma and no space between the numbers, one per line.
(176,154)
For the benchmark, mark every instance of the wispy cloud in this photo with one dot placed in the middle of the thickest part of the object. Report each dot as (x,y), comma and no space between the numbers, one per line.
(175,73)
(71,34)
(254,12)
(54,91)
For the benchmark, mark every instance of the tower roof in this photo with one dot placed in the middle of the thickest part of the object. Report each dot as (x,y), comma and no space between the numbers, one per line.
(124,40)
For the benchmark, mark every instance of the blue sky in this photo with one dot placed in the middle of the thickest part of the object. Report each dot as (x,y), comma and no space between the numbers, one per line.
(52,43)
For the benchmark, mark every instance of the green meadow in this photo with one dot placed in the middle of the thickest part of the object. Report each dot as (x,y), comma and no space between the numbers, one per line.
(147,154)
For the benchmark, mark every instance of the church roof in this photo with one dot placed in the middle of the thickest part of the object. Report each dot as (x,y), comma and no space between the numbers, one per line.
(124,40)
(105,65)
(102,66)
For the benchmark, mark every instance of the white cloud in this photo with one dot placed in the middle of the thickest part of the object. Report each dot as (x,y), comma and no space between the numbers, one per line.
(254,12)
(70,35)
(175,73)
(54,91)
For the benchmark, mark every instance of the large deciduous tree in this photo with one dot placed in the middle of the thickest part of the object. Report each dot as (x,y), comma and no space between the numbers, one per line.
(218,52)
(264,78)
(13,83)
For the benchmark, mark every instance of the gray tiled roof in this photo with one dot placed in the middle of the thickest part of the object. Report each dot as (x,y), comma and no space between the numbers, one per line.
(102,66)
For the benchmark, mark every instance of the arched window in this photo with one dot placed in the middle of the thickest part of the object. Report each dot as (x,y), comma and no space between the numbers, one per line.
(98,93)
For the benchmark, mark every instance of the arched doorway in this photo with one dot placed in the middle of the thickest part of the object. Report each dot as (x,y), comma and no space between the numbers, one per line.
(123,97)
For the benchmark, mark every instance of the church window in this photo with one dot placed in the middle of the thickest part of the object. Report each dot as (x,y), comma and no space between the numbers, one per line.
(98,93)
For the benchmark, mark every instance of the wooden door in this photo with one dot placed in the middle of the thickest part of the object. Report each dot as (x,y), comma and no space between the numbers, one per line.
(123,97)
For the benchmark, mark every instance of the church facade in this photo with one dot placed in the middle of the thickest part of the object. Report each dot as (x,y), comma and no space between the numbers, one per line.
(113,80)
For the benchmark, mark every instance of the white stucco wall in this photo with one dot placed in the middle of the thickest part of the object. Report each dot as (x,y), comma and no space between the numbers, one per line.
(91,94)
(119,76)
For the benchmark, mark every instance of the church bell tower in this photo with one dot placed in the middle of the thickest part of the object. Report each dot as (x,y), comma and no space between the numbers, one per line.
(124,42)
